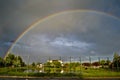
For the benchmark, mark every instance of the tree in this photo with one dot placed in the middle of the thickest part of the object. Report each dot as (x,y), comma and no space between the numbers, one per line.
(102,62)
(12,60)
(1,62)
(47,64)
(116,61)
(115,56)
(9,60)
(33,64)
(108,62)
(56,64)
(17,61)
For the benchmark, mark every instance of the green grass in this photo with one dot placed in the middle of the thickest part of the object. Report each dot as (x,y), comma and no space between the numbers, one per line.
(78,73)
(100,73)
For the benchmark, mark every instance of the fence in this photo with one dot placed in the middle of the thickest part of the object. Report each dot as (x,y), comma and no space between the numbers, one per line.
(81,59)
(67,64)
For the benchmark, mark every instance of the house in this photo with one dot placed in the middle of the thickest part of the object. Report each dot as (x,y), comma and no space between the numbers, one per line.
(51,61)
(40,65)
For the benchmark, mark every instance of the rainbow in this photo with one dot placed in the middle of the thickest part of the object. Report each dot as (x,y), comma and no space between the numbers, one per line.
(54,15)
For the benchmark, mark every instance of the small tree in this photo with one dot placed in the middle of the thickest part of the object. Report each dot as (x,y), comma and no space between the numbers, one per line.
(33,64)
(102,62)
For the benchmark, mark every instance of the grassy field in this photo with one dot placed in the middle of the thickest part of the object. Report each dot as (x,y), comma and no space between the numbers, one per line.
(90,72)
(100,73)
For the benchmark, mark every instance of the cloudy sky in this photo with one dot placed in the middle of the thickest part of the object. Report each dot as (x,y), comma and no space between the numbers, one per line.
(79,27)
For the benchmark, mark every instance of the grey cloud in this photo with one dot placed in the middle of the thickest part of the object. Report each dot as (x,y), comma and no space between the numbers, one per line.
(82,26)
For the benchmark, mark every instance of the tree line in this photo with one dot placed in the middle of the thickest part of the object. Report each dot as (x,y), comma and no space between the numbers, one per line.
(16,61)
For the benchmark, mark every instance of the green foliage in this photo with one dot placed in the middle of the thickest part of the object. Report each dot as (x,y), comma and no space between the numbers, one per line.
(1,62)
(12,60)
(47,70)
(105,63)
(53,66)
(47,64)
(115,65)
(71,67)
(56,64)
(9,60)
(33,64)
(115,56)
(74,64)
(102,62)
(108,62)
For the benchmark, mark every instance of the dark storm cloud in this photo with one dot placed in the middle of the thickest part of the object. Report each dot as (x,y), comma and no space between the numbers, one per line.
(17,15)
(73,33)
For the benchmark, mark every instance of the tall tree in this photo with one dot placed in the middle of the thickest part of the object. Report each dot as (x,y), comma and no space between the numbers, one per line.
(116,62)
